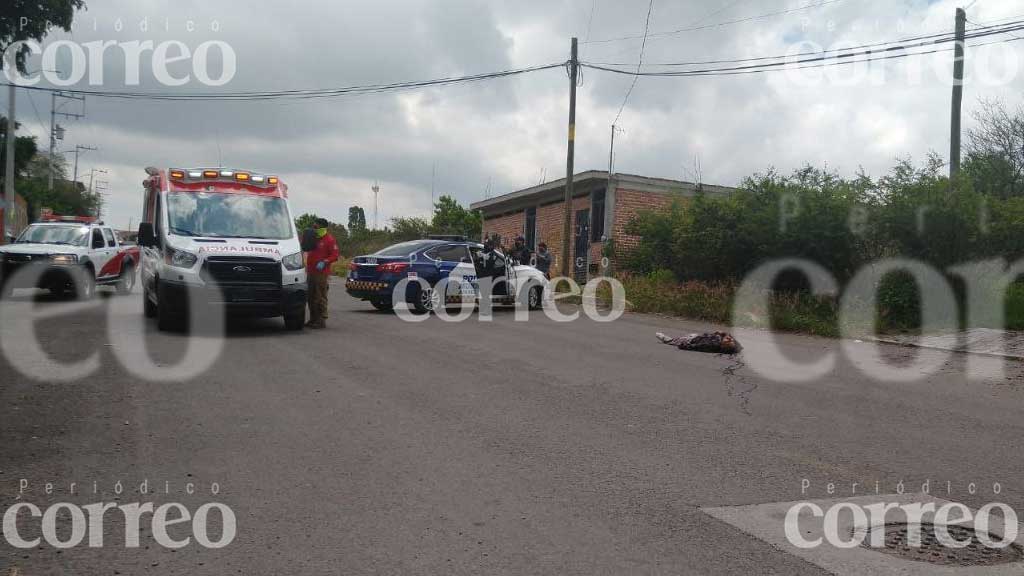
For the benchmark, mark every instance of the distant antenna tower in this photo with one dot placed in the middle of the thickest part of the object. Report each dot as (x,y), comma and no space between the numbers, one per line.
(376,191)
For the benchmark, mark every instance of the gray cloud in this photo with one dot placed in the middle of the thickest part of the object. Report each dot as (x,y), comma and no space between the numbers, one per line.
(508,131)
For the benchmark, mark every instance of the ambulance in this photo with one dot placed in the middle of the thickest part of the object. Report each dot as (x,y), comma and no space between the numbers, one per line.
(226,238)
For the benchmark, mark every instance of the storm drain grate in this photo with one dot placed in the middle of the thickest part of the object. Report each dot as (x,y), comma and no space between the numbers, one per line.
(934,552)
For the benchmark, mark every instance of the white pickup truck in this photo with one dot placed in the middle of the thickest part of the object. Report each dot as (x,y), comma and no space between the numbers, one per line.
(68,256)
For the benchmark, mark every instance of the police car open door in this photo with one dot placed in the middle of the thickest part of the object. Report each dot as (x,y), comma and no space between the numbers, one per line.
(454,261)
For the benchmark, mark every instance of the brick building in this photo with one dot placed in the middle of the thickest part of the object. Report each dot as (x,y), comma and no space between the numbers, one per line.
(601,211)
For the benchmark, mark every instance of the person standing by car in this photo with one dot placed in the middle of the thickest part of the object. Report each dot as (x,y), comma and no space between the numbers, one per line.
(520,252)
(318,273)
(543,260)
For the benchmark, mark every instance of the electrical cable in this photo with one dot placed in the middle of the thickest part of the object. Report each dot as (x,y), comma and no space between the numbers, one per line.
(294,94)
(820,58)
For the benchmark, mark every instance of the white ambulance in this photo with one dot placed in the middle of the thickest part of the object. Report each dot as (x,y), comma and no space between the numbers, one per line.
(222,237)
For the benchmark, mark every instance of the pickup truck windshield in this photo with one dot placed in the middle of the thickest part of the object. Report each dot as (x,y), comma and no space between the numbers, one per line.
(70,235)
(225,215)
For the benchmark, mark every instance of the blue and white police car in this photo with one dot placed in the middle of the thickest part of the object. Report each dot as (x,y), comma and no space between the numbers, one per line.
(426,263)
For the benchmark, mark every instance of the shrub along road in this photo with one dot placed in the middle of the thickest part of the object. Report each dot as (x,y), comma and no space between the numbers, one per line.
(378,446)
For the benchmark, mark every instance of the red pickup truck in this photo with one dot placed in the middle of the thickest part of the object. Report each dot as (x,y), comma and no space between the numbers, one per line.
(71,255)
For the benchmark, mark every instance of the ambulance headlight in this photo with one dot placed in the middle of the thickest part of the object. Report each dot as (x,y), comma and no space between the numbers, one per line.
(179,258)
(293,262)
(64,259)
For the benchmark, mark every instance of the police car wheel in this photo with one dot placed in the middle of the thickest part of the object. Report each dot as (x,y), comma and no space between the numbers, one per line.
(427,300)
(534,298)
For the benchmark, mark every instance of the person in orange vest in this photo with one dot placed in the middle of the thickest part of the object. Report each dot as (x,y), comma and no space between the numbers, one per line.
(318,273)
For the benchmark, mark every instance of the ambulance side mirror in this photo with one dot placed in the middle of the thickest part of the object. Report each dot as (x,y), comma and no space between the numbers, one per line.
(147,239)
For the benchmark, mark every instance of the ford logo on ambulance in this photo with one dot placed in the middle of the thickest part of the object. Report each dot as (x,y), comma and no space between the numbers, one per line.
(242,269)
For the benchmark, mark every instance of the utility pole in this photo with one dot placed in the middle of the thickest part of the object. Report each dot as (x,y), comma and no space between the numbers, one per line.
(569,158)
(57,132)
(611,152)
(78,148)
(958,92)
(101,187)
(7,199)
(376,191)
(99,203)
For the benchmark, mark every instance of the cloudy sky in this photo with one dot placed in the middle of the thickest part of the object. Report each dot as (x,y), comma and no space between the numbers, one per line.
(506,134)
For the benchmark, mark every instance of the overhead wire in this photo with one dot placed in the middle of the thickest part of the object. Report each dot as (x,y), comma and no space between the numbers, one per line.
(295,94)
(716,24)
(640,63)
(828,60)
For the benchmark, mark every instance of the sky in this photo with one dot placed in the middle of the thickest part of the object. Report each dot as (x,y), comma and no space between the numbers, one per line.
(497,136)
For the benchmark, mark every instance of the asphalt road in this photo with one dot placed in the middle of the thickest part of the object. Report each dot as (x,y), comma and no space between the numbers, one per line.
(383,447)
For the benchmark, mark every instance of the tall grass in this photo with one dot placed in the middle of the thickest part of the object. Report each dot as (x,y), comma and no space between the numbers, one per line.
(795,311)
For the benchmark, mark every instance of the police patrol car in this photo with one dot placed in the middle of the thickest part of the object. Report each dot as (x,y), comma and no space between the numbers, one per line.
(427,262)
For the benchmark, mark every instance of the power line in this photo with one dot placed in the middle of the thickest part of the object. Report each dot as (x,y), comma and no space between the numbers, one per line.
(728,72)
(717,24)
(818,65)
(297,94)
(938,39)
(938,35)
(590,21)
(781,56)
(791,64)
(640,63)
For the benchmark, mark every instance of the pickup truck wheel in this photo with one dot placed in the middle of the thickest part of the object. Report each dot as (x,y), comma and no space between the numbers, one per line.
(126,283)
(85,285)
(148,307)
(295,321)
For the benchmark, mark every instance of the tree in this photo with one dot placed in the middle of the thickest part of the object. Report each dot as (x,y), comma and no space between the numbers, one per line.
(25,148)
(66,197)
(305,221)
(451,218)
(994,148)
(24,20)
(333,228)
(409,228)
(356,220)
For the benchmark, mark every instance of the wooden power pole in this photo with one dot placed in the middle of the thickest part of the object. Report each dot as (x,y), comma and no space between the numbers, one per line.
(570,157)
(958,93)
(7,199)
